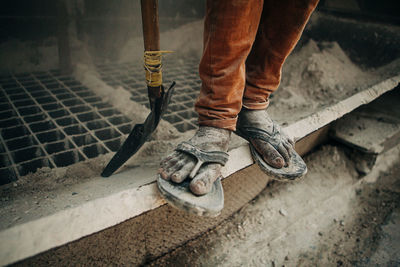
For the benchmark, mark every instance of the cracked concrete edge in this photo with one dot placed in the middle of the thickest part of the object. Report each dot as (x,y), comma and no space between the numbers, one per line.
(31,238)
(321,118)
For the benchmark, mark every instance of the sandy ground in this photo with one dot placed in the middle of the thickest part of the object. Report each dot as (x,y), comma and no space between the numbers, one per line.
(332,217)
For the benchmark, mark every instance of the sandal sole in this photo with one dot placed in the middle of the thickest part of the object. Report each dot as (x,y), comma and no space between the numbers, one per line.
(180,197)
(296,169)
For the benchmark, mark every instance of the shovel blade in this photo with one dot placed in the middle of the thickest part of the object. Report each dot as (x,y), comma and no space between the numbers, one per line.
(139,134)
(131,145)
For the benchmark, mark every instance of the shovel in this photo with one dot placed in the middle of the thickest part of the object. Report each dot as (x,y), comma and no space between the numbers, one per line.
(158,96)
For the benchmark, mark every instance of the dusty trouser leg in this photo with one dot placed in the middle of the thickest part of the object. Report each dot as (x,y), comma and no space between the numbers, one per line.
(229,32)
(281,25)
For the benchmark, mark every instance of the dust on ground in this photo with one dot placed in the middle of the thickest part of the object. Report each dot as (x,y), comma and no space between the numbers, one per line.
(317,75)
(332,217)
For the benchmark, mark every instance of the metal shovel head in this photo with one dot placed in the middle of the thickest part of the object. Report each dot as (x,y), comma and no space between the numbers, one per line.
(140,133)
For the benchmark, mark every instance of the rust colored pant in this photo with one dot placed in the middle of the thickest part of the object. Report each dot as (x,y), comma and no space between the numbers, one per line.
(245,45)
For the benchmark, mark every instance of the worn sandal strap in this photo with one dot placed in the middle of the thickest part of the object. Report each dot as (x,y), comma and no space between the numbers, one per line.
(202,156)
(274,138)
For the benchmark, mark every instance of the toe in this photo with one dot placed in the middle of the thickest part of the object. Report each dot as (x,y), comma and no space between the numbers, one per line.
(270,155)
(174,168)
(171,156)
(291,142)
(167,168)
(289,147)
(204,181)
(285,154)
(171,160)
(181,174)
(287,138)
(162,173)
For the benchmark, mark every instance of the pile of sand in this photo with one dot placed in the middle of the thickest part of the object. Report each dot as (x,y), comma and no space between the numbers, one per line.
(318,74)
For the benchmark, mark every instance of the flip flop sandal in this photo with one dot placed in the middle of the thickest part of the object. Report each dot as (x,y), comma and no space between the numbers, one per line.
(296,167)
(179,194)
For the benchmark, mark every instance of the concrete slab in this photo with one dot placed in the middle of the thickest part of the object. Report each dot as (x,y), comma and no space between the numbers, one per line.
(373,128)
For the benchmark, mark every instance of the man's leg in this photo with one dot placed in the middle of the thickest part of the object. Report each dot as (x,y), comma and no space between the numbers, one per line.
(282,23)
(229,32)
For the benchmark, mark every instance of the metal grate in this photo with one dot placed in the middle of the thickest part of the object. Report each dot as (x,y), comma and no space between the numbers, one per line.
(51,120)
(180,112)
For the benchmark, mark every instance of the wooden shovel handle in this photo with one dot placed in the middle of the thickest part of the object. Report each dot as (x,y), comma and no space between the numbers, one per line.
(151,31)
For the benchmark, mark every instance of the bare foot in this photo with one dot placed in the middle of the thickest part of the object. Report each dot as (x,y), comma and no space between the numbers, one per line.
(275,153)
(178,165)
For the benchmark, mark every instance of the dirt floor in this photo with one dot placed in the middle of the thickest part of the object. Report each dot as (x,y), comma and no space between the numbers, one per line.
(332,217)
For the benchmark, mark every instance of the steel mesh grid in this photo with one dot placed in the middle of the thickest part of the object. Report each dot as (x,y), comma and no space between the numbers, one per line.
(180,112)
(51,120)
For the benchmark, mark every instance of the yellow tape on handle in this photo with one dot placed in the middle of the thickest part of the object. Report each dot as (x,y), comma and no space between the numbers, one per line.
(153,67)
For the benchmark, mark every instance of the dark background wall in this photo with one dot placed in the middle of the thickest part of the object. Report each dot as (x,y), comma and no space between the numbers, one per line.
(104,25)
(30,20)
(27,19)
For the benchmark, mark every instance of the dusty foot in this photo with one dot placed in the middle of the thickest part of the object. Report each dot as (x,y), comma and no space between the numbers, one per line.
(178,165)
(276,155)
